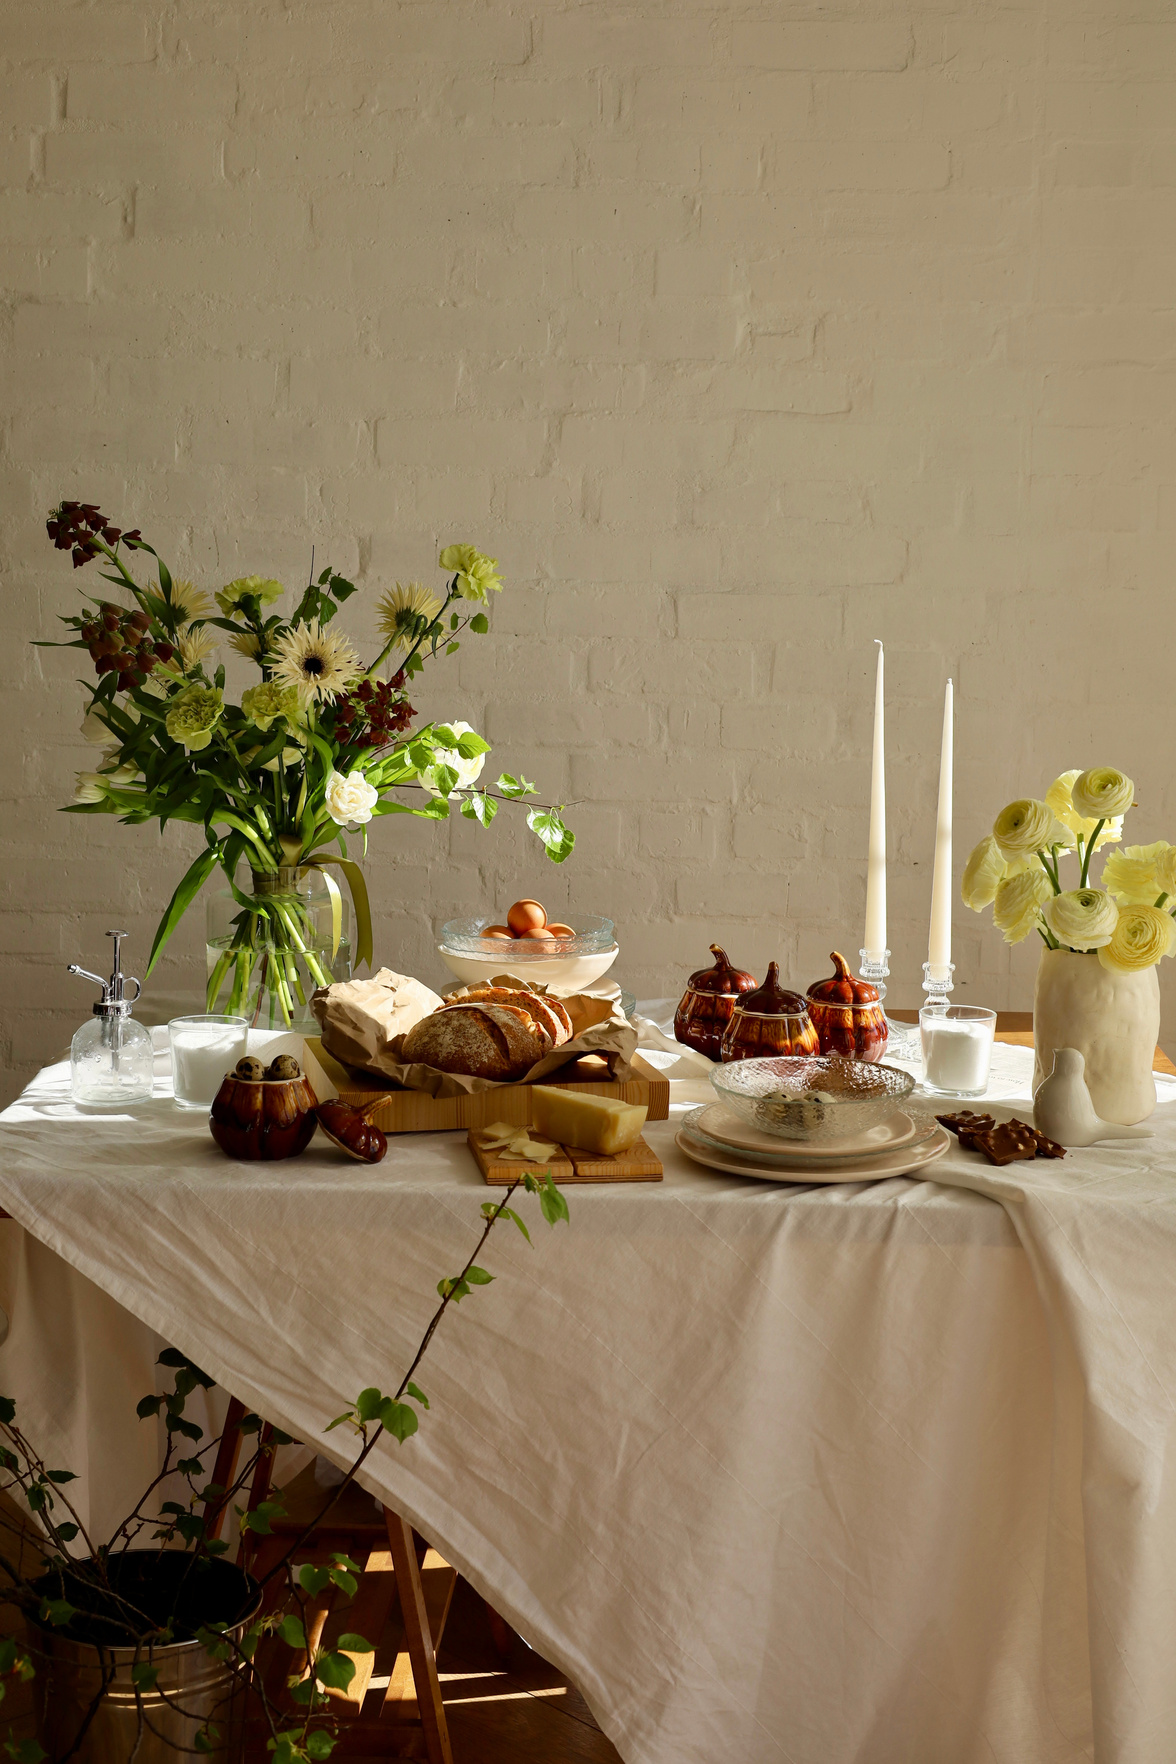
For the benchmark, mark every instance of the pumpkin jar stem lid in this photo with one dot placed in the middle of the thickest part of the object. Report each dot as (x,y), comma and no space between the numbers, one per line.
(773,1000)
(722,977)
(842,987)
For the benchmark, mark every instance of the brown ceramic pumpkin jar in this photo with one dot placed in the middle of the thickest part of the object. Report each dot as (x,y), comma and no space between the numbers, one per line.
(770,1020)
(708,1004)
(847,1014)
(257,1117)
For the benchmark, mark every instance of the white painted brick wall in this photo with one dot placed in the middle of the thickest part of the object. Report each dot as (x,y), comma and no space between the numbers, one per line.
(740,335)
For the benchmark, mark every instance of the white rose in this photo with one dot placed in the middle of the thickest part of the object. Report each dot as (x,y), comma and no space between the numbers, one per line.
(984,871)
(468,770)
(1102,793)
(1082,918)
(1017,906)
(89,787)
(350,798)
(1027,826)
(1142,936)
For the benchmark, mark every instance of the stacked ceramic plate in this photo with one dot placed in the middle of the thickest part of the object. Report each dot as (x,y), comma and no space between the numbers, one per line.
(812,1120)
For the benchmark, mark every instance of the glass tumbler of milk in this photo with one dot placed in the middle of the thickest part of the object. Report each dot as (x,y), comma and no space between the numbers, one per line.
(203,1049)
(957,1047)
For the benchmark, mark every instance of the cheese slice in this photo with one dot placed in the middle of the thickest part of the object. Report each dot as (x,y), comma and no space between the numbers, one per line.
(591,1123)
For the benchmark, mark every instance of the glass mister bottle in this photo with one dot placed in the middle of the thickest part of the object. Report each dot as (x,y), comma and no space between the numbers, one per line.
(111,1059)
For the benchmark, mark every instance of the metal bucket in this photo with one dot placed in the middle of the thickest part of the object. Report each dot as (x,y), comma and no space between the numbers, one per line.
(70,1674)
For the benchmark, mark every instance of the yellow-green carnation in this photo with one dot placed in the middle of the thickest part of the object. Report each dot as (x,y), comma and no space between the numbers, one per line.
(1081,918)
(231,595)
(1142,936)
(263,704)
(193,716)
(1017,904)
(476,574)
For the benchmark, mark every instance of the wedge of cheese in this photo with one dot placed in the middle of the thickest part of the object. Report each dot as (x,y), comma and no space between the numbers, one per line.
(592,1123)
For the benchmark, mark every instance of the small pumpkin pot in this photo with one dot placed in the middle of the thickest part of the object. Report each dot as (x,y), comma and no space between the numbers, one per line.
(267,1118)
(708,1004)
(770,1020)
(847,1015)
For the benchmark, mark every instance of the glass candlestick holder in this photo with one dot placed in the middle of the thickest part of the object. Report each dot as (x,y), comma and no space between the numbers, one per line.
(902,1041)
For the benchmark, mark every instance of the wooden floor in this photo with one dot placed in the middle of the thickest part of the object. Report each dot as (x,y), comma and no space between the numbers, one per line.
(520,1712)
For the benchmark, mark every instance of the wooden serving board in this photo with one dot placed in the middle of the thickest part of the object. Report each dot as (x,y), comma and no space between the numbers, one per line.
(570,1165)
(414,1111)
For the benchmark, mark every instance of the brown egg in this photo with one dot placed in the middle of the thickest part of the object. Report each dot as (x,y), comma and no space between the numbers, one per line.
(526,915)
(561,930)
(538,932)
(497,931)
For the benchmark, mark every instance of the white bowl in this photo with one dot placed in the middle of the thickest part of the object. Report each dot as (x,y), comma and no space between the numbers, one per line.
(574,973)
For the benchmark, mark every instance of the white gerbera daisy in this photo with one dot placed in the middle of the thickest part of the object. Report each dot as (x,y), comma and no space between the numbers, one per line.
(189,601)
(398,611)
(317,663)
(194,644)
(246,643)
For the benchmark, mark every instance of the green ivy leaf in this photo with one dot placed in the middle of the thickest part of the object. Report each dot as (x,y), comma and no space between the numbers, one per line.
(333,1670)
(7,1410)
(312,1580)
(415,1391)
(478,1276)
(291,1631)
(367,1403)
(344,1581)
(514,787)
(57,1611)
(552,1201)
(509,1213)
(398,1419)
(558,839)
(480,623)
(355,1644)
(319,1744)
(143,1676)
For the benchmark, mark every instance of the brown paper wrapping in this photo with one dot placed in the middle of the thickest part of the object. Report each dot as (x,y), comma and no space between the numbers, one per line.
(363,1026)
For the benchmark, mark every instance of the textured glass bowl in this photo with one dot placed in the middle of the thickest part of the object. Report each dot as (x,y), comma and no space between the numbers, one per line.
(567,963)
(775,1095)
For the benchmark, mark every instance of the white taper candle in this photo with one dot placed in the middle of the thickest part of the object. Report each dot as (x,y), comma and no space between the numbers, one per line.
(875,935)
(939,943)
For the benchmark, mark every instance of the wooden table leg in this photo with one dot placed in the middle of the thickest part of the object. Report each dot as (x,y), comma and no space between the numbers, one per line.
(418,1639)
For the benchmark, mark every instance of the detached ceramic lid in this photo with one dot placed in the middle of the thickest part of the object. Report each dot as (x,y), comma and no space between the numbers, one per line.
(772,999)
(842,987)
(722,977)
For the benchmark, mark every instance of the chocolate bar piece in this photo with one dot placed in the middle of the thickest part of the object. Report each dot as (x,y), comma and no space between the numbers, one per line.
(1007,1144)
(967,1122)
(1048,1148)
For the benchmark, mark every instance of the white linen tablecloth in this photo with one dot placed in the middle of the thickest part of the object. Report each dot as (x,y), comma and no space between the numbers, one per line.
(864,1474)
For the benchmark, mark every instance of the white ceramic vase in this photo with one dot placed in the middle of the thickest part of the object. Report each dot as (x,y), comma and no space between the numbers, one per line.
(1112,1019)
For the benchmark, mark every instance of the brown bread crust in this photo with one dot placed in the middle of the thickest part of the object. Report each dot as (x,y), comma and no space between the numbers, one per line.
(546,1012)
(477,1040)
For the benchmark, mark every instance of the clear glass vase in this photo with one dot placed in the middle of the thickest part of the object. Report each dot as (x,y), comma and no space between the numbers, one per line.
(268,947)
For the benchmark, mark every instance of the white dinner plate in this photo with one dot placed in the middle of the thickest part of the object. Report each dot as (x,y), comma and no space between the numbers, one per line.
(720,1122)
(903,1162)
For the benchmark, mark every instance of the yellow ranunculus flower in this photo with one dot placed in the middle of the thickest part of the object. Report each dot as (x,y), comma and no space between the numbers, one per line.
(1018,903)
(1101,793)
(984,871)
(1081,918)
(1061,802)
(1131,875)
(1166,870)
(1025,827)
(1142,936)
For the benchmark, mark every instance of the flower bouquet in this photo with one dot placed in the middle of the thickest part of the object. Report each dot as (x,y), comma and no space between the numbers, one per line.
(1097,989)
(319,745)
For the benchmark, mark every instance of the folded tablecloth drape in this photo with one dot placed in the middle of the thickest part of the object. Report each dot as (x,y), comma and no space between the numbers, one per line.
(865,1474)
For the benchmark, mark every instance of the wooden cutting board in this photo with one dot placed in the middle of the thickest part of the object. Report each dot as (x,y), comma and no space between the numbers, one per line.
(571,1165)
